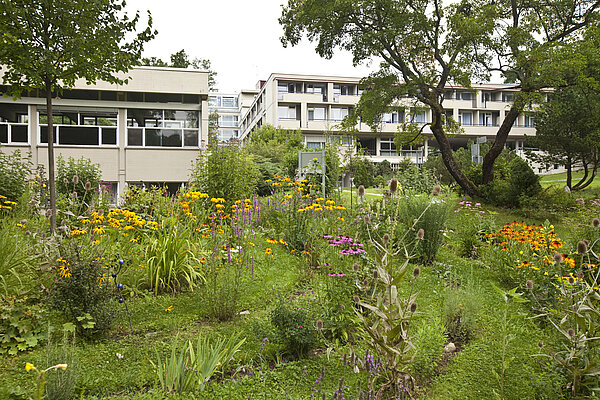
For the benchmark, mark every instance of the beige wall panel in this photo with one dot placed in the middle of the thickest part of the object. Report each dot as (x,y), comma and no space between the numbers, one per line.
(164,165)
(108,158)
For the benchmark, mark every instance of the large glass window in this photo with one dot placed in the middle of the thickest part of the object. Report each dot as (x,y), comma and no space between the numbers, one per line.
(287,112)
(418,117)
(231,102)
(317,114)
(80,126)
(529,121)
(465,118)
(228,120)
(339,113)
(162,128)
(387,147)
(485,119)
(13,123)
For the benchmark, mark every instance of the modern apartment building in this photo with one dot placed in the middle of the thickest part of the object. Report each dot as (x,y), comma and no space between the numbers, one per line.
(317,104)
(229,107)
(146,131)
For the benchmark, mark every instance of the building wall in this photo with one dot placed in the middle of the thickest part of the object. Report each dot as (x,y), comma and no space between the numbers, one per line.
(180,118)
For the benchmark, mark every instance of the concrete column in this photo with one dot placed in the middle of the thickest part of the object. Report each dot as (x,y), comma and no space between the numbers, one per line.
(377,146)
(303,115)
(329,91)
(32,130)
(122,142)
(425,149)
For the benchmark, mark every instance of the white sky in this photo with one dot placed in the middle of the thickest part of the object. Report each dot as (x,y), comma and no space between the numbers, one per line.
(239,37)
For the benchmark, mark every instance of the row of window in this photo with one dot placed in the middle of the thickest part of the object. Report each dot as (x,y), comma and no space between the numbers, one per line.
(223,101)
(97,127)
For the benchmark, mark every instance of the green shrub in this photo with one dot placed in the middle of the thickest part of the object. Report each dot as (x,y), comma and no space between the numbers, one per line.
(414,179)
(295,328)
(171,263)
(21,323)
(72,176)
(225,171)
(379,181)
(82,289)
(363,171)
(14,172)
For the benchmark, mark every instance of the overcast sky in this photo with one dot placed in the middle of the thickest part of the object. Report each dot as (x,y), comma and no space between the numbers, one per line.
(239,37)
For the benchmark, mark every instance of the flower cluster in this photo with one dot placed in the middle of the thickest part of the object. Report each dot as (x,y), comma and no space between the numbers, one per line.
(536,236)
(6,204)
(349,246)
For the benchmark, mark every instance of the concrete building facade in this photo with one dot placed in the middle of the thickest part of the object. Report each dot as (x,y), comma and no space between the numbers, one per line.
(317,104)
(148,130)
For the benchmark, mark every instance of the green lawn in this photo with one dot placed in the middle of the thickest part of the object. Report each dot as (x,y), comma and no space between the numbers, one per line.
(561,180)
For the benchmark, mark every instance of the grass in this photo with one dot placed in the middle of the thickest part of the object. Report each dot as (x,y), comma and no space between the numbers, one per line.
(561,180)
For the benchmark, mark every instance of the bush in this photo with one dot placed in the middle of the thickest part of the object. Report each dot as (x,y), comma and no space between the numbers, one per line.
(295,329)
(72,176)
(21,322)
(413,178)
(363,171)
(225,171)
(82,289)
(14,171)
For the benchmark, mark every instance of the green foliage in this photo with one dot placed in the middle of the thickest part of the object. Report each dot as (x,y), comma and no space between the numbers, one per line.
(363,171)
(15,170)
(460,312)
(191,367)
(181,59)
(15,264)
(294,328)
(415,179)
(21,319)
(435,164)
(82,289)
(171,263)
(430,339)
(61,385)
(72,176)
(225,171)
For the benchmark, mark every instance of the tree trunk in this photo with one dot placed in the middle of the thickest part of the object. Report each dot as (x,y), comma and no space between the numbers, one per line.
(490,157)
(447,156)
(577,186)
(51,178)
(569,172)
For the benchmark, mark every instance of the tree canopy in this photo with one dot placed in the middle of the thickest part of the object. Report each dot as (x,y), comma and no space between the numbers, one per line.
(427,45)
(49,44)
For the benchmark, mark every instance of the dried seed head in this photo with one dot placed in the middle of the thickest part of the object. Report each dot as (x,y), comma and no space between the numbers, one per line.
(74,194)
(529,284)
(356,299)
(386,238)
(596,222)
(319,325)
(416,272)
(571,332)
(65,181)
(88,185)
(437,189)
(375,274)
(361,191)
(558,258)
(75,179)
(355,267)
(394,185)
(420,234)
(582,247)
(571,280)
(48,213)
(540,345)
(413,307)
(367,219)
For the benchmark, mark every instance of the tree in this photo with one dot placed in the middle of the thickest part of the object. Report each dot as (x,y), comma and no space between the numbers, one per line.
(568,133)
(426,45)
(49,44)
(181,59)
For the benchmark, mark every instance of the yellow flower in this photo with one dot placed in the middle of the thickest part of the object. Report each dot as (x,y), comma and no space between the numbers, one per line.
(269,252)
(29,366)
(62,366)
(315,159)
(169,309)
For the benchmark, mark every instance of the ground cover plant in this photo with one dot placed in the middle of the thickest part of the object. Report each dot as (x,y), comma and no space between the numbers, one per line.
(296,295)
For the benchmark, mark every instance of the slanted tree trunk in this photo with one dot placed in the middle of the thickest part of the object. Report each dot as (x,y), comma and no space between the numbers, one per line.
(449,161)
(51,178)
(569,172)
(494,152)
(577,186)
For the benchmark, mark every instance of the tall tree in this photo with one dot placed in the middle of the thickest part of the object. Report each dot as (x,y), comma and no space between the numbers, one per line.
(49,44)
(568,132)
(426,45)
(181,59)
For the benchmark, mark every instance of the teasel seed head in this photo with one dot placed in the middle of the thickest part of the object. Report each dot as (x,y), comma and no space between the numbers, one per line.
(355,267)
(596,222)
(416,272)
(437,189)
(88,185)
(367,219)
(375,274)
(413,307)
(558,258)
(386,238)
(75,179)
(356,299)
(571,332)
(319,325)
(394,185)
(582,247)
(361,191)
(529,284)
(420,234)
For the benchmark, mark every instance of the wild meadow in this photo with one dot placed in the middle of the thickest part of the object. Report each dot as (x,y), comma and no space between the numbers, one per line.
(414,292)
